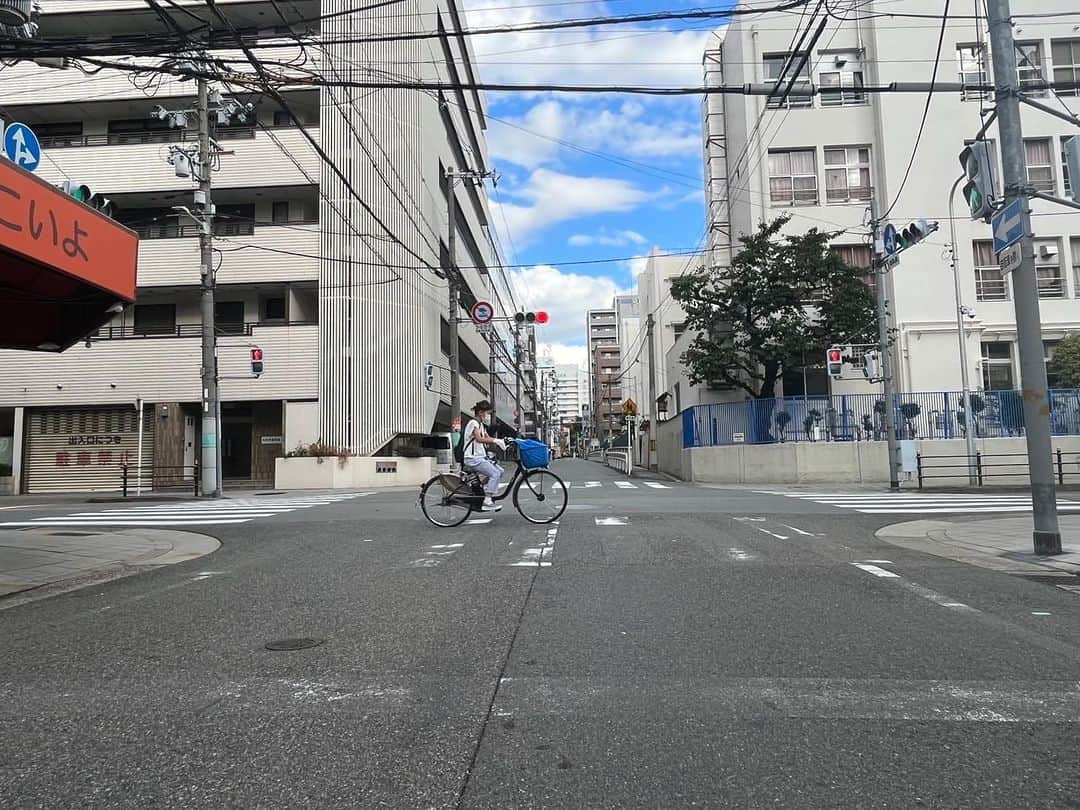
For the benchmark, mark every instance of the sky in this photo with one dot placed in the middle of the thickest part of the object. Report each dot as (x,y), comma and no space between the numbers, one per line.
(590,177)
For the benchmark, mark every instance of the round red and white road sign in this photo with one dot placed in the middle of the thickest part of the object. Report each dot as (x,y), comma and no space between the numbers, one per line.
(482,312)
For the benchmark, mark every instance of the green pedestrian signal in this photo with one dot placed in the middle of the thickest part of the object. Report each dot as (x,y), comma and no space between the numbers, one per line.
(82,193)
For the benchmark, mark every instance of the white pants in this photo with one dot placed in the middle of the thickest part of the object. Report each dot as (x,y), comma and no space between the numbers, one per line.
(490,470)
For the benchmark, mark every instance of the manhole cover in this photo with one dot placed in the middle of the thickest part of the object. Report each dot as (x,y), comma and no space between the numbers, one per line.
(286,644)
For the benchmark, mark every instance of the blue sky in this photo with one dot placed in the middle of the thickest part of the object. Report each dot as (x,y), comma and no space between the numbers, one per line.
(587,177)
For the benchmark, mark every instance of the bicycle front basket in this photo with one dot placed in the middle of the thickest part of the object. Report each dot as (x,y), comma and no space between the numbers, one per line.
(533,454)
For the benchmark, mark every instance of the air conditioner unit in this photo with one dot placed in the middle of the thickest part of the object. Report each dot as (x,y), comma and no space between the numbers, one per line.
(1048,251)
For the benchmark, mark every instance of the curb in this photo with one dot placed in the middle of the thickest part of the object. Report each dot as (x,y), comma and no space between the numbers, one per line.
(168,547)
(932,537)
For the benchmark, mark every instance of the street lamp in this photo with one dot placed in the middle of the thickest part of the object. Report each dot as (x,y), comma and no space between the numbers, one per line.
(961,311)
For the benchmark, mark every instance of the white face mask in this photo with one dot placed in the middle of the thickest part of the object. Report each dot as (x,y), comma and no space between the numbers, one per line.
(487,419)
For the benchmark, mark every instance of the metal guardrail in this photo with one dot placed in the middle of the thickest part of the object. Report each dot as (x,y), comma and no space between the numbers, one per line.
(150,477)
(991,465)
(620,460)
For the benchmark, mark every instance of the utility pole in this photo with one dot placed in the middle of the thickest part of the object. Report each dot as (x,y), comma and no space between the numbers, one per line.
(965,383)
(649,324)
(452,319)
(885,349)
(1047,535)
(211,427)
(517,380)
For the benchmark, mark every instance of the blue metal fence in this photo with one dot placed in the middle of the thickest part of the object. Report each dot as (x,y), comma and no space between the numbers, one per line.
(861,417)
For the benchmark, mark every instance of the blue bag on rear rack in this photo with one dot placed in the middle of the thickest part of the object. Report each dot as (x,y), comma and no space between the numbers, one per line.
(532,453)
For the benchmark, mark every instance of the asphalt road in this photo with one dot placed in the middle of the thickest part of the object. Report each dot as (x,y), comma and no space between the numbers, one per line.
(686,647)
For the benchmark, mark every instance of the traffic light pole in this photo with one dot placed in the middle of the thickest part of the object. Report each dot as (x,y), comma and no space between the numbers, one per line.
(1036,403)
(965,382)
(650,322)
(211,425)
(885,349)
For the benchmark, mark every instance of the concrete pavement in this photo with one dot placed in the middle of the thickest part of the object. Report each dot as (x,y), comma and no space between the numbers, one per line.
(684,647)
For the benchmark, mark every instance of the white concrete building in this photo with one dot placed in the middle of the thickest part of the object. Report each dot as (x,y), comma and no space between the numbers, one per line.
(818,157)
(346,310)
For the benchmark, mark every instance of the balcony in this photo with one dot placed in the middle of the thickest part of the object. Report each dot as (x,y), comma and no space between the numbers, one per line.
(263,254)
(141,167)
(151,136)
(164,369)
(180,330)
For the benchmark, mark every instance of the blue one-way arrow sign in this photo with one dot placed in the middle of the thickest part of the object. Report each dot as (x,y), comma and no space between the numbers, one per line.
(1008,225)
(21,146)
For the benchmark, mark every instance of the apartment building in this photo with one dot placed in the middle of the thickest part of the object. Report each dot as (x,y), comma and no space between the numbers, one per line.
(346,310)
(818,158)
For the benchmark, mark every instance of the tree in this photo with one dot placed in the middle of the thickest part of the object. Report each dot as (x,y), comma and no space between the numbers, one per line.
(1065,365)
(784,297)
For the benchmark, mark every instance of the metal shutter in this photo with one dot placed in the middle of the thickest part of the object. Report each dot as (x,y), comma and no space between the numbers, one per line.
(81,450)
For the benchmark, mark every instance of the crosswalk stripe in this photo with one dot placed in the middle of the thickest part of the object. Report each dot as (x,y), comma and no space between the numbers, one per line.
(655,485)
(624,485)
(200,513)
(929,503)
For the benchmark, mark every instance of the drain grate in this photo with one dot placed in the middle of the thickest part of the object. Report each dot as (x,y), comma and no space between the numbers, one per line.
(287,644)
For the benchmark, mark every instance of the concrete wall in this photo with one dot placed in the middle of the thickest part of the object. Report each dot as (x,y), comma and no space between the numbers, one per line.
(301,423)
(669,447)
(358,472)
(859,462)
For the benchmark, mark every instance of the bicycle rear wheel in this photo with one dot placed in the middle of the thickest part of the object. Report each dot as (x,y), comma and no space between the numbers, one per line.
(540,496)
(445,501)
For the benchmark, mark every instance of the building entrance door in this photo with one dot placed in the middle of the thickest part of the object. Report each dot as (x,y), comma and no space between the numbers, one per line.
(236,449)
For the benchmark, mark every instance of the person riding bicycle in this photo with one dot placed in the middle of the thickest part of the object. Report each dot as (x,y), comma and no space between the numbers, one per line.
(476,440)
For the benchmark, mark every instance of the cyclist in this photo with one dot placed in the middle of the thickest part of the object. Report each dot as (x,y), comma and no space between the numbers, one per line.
(475,439)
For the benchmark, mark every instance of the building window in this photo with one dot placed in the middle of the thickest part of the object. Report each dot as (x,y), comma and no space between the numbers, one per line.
(990,284)
(1040,164)
(155,319)
(273,309)
(972,63)
(1049,347)
(1066,181)
(799,96)
(280,211)
(1048,274)
(841,80)
(60,133)
(1066,56)
(997,366)
(847,174)
(1029,62)
(793,177)
(282,119)
(1074,248)
(229,317)
(858,257)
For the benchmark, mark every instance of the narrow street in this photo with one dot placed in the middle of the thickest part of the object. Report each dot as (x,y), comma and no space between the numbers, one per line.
(685,647)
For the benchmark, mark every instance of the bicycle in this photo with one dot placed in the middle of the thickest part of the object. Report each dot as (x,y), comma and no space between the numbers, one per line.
(539,495)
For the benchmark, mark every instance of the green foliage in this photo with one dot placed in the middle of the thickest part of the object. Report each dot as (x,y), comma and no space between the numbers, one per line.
(1065,364)
(784,300)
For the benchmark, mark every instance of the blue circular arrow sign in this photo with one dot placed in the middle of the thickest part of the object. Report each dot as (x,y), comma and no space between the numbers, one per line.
(889,240)
(21,146)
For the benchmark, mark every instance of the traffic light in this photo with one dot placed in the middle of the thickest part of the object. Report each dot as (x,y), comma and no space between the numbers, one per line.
(834,361)
(539,317)
(978,163)
(256,361)
(914,233)
(1072,163)
(872,365)
(82,193)
(429,375)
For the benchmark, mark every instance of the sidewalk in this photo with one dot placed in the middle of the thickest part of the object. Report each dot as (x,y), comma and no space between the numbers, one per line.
(36,558)
(1001,544)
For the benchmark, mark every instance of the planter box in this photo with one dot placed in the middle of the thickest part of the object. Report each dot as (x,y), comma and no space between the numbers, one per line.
(358,472)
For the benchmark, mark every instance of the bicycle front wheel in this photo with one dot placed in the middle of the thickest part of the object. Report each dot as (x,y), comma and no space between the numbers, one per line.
(445,501)
(540,496)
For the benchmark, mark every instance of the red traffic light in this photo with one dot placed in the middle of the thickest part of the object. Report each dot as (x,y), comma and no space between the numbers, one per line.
(256,354)
(834,355)
(541,317)
(256,360)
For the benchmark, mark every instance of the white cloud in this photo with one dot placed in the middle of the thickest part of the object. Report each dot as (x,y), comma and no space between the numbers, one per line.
(563,354)
(566,296)
(550,197)
(613,239)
